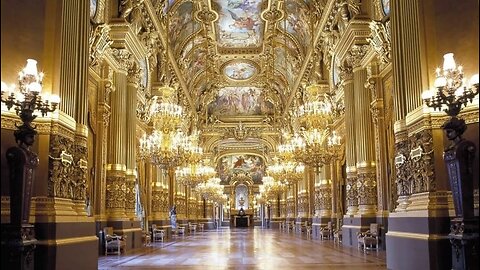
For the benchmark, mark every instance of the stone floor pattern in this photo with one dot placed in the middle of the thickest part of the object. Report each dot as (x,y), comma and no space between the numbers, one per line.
(244,249)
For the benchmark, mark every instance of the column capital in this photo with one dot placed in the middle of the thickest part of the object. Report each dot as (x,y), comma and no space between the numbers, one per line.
(356,54)
(123,57)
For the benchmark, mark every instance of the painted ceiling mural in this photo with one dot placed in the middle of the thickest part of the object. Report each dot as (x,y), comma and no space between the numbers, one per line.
(181,25)
(240,101)
(297,23)
(240,70)
(229,165)
(239,23)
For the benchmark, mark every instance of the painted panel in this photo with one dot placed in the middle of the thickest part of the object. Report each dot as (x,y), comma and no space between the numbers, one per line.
(181,24)
(232,101)
(239,24)
(240,71)
(298,23)
(228,165)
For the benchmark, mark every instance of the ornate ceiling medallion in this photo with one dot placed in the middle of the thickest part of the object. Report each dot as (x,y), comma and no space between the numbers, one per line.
(240,70)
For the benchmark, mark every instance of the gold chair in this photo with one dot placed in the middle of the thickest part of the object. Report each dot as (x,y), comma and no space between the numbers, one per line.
(326,231)
(114,244)
(158,234)
(369,239)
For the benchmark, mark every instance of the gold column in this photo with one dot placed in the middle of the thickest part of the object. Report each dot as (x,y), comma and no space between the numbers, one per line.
(103,123)
(116,167)
(157,194)
(133,80)
(374,85)
(325,193)
(365,152)
(346,76)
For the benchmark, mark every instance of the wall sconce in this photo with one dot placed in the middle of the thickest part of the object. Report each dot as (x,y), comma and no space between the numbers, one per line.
(453,92)
(451,88)
(19,241)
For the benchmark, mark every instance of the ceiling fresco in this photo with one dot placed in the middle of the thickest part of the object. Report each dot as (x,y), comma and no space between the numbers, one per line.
(239,70)
(239,23)
(252,165)
(240,101)
(254,51)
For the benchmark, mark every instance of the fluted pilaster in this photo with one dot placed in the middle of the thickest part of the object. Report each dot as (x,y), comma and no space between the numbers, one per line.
(116,168)
(346,75)
(374,85)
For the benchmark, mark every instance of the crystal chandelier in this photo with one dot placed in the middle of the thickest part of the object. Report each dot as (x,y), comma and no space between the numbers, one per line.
(452,91)
(192,153)
(287,172)
(317,113)
(166,115)
(293,149)
(194,174)
(316,152)
(272,188)
(212,189)
(163,149)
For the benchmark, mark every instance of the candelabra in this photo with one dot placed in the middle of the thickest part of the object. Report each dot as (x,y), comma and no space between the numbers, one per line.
(18,237)
(452,91)
(163,149)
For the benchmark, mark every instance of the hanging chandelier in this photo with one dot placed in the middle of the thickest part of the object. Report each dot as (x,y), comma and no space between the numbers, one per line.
(163,149)
(287,172)
(320,148)
(166,115)
(194,174)
(211,189)
(192,153)
(316,113)
(272,188)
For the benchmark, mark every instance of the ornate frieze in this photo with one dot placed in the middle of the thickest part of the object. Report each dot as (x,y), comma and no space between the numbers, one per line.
(422,162)
(116,191)
(61,182)
(402,165)
(351,188)
(80,170)
(130,194)
(367,188)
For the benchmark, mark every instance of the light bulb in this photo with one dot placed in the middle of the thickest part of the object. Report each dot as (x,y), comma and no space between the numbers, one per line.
(474,79)
(440,82)
(427,94)
(54,99)
(31,67)
(449,62)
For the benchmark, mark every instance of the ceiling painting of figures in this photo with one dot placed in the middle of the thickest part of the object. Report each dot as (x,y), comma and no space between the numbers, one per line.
(182,25)
(240,70)
(297,23)
(240,101)
(253,166)
(239,23)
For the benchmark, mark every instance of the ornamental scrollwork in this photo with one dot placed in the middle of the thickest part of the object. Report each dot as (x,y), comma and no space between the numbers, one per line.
(422,162)
(99,40)
(61,168)
(381,40)
(403,176)
(367,188)
(351,189)
(79,172)
(116,190)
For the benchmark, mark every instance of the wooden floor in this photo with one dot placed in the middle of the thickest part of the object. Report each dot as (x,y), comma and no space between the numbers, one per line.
(245,249)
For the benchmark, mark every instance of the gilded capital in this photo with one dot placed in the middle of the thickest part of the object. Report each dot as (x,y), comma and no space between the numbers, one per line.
(356,54)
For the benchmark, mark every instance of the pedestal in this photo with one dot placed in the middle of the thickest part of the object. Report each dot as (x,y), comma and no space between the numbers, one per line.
(18,244)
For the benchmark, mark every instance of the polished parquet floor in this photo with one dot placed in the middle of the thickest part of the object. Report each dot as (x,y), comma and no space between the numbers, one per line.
(245,249)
